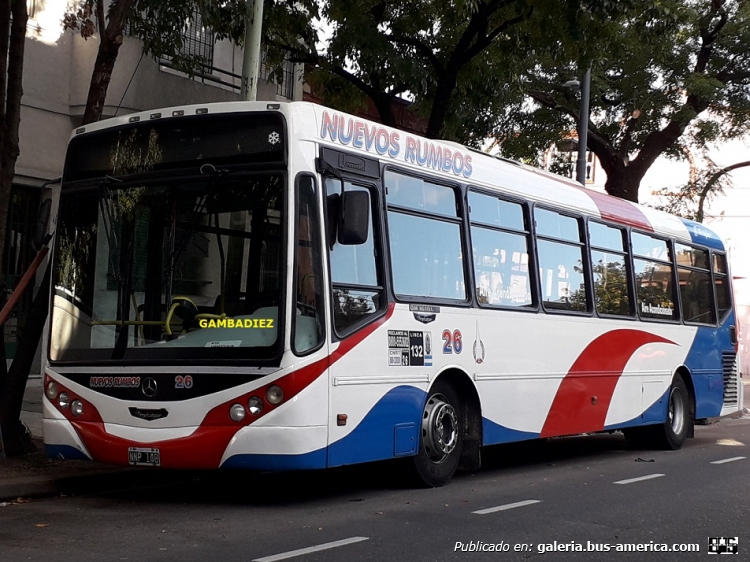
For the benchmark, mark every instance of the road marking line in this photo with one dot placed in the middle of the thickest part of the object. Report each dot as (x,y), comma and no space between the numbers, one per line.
(639,479)
(728,460)
(309,549)
(504,507)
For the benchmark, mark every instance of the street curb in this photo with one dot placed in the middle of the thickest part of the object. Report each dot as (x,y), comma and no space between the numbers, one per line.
(68,484)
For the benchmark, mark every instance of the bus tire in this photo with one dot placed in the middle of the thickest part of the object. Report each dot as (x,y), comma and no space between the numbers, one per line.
(440,438)
(670,434)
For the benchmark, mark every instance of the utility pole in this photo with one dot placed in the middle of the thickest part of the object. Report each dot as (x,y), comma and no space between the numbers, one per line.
(583,128)
(251,58)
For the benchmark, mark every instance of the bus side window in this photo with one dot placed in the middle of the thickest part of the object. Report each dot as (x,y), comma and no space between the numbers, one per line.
(609,261)
(308,314)
(500,247)
(721,282)
(654,274)
(561,258)
(695,285)
(425,238)
(356,288)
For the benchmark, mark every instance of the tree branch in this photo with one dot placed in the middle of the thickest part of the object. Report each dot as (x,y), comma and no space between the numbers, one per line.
(710,184)
(423,49)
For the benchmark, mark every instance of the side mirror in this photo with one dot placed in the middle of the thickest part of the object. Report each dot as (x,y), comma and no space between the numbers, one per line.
(42,223)
(354,217)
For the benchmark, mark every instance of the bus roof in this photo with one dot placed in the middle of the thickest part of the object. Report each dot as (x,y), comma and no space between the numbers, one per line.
(449,160)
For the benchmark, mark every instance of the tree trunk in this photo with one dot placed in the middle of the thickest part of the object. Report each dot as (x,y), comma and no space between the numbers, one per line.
(110,41)
(441,103)
(11,117)
(12,43)
(11,399)
(624,182)
(106,57)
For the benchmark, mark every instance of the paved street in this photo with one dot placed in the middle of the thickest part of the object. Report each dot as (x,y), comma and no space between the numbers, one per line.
(551,495)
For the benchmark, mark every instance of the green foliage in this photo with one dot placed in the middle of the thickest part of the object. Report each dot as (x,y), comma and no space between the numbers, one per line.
(457,60)
(159,24)
(665,73)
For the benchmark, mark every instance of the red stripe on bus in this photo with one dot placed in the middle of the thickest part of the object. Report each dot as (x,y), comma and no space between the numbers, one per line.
(582,400)
(205,447)
(618,210)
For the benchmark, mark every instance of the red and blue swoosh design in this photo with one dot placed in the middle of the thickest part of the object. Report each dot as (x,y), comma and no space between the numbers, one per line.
(583,398)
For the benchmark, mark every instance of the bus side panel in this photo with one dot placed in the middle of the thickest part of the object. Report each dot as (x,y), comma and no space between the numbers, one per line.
(389,429)
(705,361)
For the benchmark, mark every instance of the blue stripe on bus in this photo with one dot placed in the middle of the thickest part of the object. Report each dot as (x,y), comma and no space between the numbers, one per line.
(704,361)
(311,460)
(493,433)
(375,438)
(702,235)
(64,452)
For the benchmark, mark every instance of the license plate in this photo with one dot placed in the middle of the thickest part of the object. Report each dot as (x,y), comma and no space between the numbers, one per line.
(143,457)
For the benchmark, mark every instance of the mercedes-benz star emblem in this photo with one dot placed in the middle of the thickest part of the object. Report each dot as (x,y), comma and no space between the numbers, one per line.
(148,387)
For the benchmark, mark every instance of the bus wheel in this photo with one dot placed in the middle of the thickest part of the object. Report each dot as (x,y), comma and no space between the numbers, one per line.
(441,437)
(670,434)
(674,431)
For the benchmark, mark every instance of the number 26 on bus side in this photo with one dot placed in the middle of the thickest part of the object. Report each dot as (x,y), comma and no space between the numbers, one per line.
(452,342)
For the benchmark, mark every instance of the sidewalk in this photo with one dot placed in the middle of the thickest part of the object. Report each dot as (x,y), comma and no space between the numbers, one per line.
(35,475)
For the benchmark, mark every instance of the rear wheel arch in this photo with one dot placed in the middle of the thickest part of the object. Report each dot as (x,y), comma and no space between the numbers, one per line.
(687,378)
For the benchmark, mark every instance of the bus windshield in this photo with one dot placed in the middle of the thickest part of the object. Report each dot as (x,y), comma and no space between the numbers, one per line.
(184,270)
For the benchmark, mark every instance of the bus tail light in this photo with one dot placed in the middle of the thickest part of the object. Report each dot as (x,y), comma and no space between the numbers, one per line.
(734,337)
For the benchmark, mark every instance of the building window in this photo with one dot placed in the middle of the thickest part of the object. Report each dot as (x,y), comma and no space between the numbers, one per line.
(198,42)
(283,76)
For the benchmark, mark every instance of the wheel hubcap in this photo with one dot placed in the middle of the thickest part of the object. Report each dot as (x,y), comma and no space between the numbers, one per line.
(439,428)
(676,411)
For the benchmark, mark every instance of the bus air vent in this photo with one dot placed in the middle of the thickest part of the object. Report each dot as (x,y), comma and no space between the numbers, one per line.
(729,367)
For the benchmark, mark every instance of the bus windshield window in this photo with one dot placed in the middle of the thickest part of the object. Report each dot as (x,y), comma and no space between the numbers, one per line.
(180,270)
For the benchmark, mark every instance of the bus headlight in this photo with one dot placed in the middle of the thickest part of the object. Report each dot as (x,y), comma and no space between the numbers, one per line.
(237,412)
(63,400)
(274,394)
(52,390)
(76,408)
(255,405)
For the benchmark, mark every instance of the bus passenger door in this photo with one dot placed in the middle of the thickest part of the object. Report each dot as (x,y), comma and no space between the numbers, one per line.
(358,301)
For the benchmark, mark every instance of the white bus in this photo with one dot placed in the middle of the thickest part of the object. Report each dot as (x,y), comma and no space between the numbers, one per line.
(284,286)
